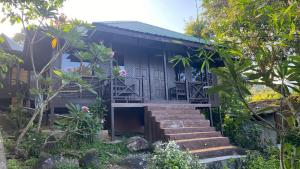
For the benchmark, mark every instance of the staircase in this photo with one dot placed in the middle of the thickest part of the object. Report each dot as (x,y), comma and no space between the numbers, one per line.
(188,128)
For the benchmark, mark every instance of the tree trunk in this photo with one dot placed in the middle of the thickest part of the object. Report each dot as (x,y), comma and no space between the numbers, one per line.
(25,130)
(2,154)
(281,155)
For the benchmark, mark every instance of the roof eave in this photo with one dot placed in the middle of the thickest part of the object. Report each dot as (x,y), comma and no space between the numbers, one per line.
(111,29)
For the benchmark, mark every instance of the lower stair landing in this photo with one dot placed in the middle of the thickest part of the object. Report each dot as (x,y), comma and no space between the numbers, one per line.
(189,129)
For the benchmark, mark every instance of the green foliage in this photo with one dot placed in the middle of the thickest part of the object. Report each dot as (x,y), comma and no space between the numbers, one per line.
(62,165)
(17,112)
(6,61)
(243,132)
(19,164)
(108,153)
(81,126)
(14,164)
(182,60)
(169,155)
(259,44)
(98,108)
(33,143)
(255,160)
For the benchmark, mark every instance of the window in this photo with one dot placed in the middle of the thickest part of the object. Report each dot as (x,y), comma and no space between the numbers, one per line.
(72,64)
(119,61)
(180,73)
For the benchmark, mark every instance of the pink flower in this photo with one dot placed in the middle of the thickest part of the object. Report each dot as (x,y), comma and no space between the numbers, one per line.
(123,73)
(85,109)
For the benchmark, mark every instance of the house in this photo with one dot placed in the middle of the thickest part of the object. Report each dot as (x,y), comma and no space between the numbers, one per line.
(17,77)
(152,85)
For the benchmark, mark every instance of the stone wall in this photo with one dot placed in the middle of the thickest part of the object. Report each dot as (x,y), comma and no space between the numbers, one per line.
(2,154)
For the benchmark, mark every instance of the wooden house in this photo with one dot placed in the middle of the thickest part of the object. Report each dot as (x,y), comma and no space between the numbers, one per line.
(16,79)
(151,83)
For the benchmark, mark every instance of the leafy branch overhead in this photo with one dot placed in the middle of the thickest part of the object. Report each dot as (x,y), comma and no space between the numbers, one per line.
(44,26)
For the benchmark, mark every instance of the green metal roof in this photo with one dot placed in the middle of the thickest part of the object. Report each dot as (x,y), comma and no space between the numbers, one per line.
(150,29)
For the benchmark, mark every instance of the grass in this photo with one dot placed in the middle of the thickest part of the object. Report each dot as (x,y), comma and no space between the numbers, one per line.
(108,153)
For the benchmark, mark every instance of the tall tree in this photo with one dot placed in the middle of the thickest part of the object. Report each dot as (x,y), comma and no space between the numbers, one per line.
(258,42)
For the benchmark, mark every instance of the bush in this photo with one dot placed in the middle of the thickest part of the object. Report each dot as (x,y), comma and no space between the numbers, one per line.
(98,108)
(13,164)
(80,126)
(33,143)
(169,156)
(255,160)
(243,132)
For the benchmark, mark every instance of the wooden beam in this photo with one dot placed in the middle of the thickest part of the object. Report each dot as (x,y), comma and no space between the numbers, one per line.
(149,77)
(165,75)
(112,123)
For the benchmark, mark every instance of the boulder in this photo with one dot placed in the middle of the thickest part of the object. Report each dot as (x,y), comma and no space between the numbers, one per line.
(90,160)
(136,161)
(47,161)
(103,135)
(137,143)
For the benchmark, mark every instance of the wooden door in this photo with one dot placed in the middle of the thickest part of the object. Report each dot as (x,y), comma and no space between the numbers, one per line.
(137,66)
(157,79)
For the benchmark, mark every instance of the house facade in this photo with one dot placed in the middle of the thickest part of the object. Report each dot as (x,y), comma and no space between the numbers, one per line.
(143,51)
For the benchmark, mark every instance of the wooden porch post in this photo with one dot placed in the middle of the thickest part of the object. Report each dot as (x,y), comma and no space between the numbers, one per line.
(165,75)
(112,123)
(111,101)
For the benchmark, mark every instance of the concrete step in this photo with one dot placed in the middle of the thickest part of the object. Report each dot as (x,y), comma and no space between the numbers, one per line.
(183,123)
(176,114)
(202,143)
(175,111)
(183,136)
(216,151)
(180,117)
(171,107)
(187,130)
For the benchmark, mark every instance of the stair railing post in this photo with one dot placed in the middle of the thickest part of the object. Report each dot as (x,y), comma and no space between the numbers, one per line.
(143,89)
(187,90)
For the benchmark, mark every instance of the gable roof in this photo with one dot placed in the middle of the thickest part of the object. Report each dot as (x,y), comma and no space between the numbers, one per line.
(10,44)
(140,27)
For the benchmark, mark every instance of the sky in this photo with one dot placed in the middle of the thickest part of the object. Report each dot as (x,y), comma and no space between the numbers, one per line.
(169,14)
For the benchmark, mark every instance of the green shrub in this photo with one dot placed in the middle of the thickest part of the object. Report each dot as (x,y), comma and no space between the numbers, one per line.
(169,156)
(243,132)
(98,108)
(81,126)
(256,160)
(33,143)
(14,164)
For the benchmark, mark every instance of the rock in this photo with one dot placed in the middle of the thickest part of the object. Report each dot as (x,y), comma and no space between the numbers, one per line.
(20,153)
(103,135)
(64,162)
(45,161)
(155,145)
(137,143)
(51,162)
(136,161)
(90,160)
(229,162)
